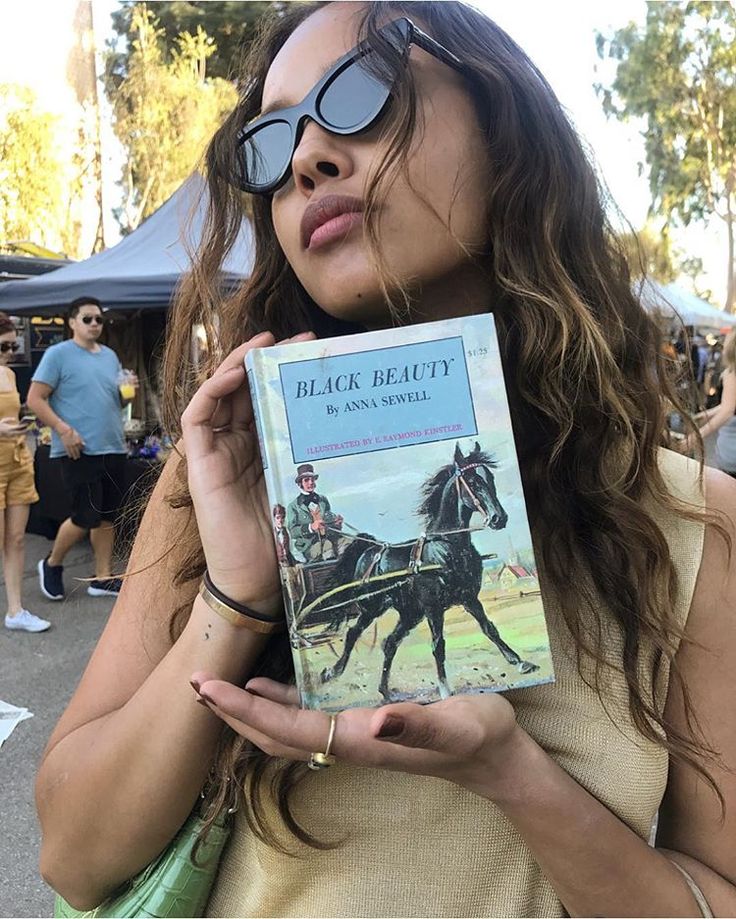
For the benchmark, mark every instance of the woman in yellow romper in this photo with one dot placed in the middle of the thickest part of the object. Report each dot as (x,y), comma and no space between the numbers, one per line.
(17,491)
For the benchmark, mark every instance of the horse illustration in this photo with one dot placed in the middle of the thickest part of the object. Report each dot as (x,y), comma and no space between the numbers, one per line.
(443,568)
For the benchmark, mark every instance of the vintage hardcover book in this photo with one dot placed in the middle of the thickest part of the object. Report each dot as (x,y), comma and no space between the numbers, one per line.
(398,515)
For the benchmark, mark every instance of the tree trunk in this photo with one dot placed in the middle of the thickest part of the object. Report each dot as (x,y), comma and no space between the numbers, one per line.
(730,292)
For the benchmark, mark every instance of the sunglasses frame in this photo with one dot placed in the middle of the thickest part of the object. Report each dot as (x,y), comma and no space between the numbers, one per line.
(12,346)
(296,115)
(90,318)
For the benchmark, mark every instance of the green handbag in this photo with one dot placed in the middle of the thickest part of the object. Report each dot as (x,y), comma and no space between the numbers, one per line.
(172,885)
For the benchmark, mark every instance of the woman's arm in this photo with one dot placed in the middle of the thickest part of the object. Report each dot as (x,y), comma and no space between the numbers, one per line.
(597,865)
(126,762)
(130,755)
(716,418)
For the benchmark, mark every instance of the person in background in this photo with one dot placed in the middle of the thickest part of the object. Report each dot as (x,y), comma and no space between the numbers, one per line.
(722,418)
(17,491)
(75,392)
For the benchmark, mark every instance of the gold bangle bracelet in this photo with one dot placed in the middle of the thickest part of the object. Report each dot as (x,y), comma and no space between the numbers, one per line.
(242,620)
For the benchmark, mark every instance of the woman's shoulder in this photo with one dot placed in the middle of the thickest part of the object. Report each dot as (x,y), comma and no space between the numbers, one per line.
(682,476)
(7,380)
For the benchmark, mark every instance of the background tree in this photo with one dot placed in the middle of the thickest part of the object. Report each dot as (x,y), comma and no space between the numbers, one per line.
(231,25)
(165,110)
(678,74)
(649,253)
(38,181)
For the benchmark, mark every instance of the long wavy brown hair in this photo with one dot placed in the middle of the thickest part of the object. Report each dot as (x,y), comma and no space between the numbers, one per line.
(587,383)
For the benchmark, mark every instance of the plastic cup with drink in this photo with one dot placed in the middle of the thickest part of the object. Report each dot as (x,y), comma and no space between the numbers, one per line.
(127,381)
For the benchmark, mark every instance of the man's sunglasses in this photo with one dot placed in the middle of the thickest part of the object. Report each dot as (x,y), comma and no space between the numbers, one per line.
(347,100)
(6,346)
(88,320)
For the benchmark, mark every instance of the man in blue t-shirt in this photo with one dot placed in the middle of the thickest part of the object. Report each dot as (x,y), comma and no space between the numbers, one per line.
(75,392)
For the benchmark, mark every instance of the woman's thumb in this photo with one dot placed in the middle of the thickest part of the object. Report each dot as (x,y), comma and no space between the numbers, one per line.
(413,726)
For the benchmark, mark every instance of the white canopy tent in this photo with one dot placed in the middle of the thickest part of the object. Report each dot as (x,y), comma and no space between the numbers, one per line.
(671,300)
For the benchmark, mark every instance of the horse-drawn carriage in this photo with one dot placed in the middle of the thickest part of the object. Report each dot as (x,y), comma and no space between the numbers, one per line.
(336,601)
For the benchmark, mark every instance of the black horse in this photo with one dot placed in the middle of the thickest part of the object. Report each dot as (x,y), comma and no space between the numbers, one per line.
(451,497)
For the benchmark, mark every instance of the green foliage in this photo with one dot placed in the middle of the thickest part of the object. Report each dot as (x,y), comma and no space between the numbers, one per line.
(165,110)
(231,26)
(649,252)
(678,74)
(32,172)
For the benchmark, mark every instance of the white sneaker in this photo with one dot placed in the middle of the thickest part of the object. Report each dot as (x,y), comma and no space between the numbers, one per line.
(26,622)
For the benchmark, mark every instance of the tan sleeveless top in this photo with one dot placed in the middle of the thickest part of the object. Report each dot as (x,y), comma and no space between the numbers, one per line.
(417,846)
(12,451)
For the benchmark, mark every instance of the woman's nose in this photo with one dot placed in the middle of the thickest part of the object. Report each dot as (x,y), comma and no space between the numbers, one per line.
(319,156)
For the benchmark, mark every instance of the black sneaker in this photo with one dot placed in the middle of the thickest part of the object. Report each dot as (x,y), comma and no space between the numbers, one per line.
(50,580)
(105,587)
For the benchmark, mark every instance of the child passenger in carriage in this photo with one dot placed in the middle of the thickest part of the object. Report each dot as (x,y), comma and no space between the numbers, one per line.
(433,175)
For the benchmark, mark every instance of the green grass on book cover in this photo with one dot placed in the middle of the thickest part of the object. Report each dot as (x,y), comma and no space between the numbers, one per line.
(398,513)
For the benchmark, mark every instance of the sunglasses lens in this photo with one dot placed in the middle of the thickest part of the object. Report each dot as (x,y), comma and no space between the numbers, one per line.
(352,99)
(265,155)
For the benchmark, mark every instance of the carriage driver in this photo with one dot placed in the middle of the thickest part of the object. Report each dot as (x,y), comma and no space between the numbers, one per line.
(313,527)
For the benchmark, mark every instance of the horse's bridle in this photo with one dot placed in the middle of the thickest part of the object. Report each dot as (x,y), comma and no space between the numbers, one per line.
(459,470)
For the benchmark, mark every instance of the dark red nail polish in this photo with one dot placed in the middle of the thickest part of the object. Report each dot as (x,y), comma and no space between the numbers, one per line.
(195,684)
(203,695)
(391,727)
(202,702)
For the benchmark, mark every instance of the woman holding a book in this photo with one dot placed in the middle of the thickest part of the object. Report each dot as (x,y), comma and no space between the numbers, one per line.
(427,173)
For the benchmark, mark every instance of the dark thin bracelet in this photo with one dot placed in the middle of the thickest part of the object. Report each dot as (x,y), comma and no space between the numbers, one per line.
(237,613)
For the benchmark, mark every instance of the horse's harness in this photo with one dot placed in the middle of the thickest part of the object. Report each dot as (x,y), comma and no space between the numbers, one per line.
(415,554)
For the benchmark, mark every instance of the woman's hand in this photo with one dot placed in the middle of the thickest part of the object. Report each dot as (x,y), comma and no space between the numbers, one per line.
(226,484)
(11,428)
(473,741)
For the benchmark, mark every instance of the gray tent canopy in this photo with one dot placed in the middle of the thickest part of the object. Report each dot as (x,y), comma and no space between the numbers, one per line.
(139,272)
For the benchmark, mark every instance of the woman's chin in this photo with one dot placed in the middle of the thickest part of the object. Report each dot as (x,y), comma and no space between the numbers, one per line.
(370,313)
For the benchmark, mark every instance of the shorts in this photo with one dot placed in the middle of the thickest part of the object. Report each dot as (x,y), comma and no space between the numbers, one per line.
(96,485)
(16,479)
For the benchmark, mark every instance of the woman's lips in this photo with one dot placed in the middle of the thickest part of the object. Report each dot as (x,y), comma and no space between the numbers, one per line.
(335,229)
(329,218)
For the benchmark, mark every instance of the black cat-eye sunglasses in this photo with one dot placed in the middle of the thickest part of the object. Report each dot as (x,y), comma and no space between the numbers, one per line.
(347,100)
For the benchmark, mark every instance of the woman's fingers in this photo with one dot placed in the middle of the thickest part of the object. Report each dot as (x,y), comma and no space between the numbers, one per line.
(236,357)
(302,729)
(261,740)
(224,398)
(446,727)
(197,420)
(276,692)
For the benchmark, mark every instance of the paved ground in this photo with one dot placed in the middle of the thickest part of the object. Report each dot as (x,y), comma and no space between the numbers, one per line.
(39,672)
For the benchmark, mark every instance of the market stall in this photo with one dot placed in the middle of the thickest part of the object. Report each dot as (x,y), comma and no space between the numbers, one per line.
(135,281)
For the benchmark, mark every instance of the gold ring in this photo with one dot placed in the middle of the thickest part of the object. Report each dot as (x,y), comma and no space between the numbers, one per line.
(319,761)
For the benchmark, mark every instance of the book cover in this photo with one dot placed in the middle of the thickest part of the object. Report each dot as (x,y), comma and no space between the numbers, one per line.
(398,515)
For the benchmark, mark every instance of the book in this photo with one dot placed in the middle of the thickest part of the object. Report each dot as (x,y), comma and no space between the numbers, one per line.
(399,521)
